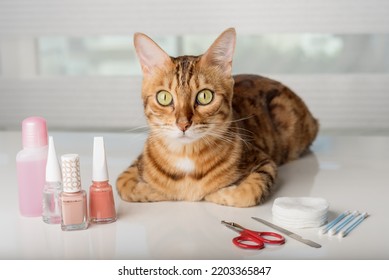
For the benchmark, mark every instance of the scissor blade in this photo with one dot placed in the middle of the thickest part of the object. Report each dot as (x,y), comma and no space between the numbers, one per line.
(288,233)
(232,226)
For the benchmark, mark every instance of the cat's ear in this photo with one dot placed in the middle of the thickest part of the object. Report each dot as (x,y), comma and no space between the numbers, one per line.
(220,53)
(150,55)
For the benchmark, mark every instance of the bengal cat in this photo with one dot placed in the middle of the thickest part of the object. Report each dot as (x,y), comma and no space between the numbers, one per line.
(213,136)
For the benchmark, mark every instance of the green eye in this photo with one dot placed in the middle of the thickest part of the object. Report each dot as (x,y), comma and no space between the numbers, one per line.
(204,97)
(164,98)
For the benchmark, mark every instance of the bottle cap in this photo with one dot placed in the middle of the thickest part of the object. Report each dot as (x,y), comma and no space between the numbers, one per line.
(71,173)
(34,132)
(100,171)
(53,171)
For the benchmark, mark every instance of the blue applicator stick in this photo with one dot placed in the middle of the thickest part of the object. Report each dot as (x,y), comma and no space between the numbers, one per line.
(334,222)
(342,224)
(357,221)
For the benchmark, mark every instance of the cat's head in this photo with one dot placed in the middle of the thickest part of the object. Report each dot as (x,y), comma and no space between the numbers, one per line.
(188,97)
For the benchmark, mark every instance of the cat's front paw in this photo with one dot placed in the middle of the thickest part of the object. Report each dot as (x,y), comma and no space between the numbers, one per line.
(250,192)
(131,188)
(233,196)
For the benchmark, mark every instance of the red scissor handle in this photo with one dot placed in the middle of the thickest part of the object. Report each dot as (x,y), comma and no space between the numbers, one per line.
(258,238)
(243,240)
(277,238)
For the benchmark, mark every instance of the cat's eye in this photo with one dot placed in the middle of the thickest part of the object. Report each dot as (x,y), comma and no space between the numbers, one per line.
(164,98)
(204,97)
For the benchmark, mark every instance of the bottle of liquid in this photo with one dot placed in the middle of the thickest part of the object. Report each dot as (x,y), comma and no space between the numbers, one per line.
(31,166)
(101,201)
(53,187)
(74,213)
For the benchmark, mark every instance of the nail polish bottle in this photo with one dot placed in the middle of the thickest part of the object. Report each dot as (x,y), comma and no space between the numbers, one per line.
(74,214)
(51,207)
(31,166)
(101,201)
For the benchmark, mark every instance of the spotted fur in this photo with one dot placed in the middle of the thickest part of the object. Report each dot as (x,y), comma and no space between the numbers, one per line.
(227,151)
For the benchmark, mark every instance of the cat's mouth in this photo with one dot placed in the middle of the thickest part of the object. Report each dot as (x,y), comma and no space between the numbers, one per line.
(185,138)
(189,136)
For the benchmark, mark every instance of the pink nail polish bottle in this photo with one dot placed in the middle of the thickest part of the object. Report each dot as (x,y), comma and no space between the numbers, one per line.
(74,214)
(101,201)
(31,166)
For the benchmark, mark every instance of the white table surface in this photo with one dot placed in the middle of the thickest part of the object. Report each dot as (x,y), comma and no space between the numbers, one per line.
(351,172)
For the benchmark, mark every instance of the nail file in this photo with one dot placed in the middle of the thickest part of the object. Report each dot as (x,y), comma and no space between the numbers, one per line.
(288,233)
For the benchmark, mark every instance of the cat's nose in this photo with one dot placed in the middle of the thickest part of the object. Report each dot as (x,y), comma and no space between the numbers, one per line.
(183,125)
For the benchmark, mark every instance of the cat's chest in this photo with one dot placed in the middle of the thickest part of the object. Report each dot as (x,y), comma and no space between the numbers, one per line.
(184,164)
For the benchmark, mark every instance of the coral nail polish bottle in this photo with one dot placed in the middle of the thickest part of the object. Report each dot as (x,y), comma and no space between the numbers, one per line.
(31,166)
(101,201)
(74,213)
(51,207)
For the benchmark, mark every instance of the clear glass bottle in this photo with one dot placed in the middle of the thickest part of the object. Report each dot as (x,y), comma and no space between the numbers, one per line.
(31,166)
(51,212)
(101,201)
(74,213)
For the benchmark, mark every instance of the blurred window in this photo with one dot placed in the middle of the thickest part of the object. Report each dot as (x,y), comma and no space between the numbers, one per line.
(303,53)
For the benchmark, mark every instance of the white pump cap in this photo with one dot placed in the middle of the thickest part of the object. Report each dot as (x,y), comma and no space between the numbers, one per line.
(53,171)
(100,171)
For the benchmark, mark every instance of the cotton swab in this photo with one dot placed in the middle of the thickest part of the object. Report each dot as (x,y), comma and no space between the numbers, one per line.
(334,222)
(357,221)
(342,224)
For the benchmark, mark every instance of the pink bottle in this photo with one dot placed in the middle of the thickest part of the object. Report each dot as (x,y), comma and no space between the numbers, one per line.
(31,166)
(101,201)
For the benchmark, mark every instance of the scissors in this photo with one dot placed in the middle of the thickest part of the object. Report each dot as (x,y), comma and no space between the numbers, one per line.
(249,236)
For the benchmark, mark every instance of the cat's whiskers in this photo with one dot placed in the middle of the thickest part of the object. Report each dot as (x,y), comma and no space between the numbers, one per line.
(223,139)
(142,128)
(245,135)
(208,133)
(223,136)
(228,135)
(241,119)
(138,133)
(156,134)
(241,129)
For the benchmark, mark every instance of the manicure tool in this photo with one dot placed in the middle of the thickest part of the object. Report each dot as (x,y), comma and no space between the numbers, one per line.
(343,223)
(334,222)
(356,222)
(258,238)
(288,233)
